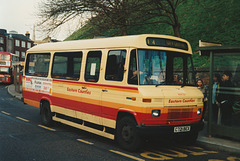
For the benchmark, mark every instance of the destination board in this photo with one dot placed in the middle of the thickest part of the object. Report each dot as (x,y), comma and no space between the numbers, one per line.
(161,42)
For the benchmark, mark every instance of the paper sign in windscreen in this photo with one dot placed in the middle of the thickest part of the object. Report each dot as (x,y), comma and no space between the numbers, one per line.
(93,69)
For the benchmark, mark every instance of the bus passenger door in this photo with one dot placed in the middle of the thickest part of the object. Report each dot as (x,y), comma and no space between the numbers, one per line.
(113,94)
(90,90)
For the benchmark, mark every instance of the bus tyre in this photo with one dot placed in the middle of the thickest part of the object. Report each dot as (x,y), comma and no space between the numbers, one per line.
(46,114)
(126,134)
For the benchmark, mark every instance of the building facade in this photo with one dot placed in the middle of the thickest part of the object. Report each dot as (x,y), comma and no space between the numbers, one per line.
(15,43)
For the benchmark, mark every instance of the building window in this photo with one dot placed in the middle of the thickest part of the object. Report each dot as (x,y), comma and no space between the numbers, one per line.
(1,49)
(17,43)
(23,55)
(1,40)
(17,53)
(23,44)
(29,45)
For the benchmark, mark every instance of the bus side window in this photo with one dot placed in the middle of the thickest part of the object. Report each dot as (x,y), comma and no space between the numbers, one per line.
(67,65)
(92,68)
(37,64)
(115,65)
(133,70)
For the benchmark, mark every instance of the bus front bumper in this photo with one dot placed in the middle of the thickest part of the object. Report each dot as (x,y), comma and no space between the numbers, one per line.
(169,130)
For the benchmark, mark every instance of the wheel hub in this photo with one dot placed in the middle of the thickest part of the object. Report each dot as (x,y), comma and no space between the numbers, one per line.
(127,133)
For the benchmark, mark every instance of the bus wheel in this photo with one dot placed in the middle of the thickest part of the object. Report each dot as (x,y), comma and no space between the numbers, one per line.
(46,114)
(126,134)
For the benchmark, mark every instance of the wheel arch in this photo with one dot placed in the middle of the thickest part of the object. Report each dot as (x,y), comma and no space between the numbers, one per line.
(45,99)
(124,112)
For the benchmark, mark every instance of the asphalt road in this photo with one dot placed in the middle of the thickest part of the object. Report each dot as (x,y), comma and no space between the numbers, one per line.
(23,138)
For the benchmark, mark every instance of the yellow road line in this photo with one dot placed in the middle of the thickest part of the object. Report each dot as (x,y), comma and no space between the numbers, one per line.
(84,141)
(6,113)
(45,127)
(127,155)
(22,119)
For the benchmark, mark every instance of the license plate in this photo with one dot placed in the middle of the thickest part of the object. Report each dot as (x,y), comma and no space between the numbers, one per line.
(182,129)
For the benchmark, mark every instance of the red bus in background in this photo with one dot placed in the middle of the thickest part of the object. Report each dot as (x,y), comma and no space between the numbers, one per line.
(7,60)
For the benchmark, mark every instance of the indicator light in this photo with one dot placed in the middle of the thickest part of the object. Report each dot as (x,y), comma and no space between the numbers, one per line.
(199,111)
(148,100)
(156,113)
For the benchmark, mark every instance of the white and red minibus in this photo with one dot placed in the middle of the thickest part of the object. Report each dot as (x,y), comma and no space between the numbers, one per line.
(121,88)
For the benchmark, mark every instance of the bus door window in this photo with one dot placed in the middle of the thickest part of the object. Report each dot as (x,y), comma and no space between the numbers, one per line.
(115,65)
(190,74)
(92,69)
(67,65)
(37,64)
(178,70)
(133,71)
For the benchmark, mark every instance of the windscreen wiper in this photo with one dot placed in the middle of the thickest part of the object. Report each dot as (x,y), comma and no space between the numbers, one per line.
(160,84)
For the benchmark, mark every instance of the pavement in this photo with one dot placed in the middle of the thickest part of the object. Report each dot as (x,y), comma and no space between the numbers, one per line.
(11,91)
(227,145)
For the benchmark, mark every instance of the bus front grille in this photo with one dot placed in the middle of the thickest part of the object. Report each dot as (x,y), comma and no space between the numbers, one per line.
(180,113)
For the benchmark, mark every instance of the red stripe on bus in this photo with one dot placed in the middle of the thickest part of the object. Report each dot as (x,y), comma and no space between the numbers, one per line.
(111,113)
(96,84)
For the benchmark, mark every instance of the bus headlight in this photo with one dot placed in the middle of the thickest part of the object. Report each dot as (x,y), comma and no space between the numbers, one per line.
(156,113)
(199,111)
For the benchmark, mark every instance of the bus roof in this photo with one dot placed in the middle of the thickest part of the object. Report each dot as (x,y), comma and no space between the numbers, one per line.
(133,41)
(7,53)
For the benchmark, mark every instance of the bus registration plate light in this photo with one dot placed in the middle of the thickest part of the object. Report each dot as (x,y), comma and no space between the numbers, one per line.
(182,129)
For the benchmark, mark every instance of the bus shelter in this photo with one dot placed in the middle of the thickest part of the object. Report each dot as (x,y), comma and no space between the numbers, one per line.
(224,90)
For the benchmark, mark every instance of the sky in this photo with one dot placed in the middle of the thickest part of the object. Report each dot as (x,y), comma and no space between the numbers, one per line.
(21,16)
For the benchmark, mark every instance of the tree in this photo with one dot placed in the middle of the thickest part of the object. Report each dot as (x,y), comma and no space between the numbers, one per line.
(166,11)
(120,14)
(54,13)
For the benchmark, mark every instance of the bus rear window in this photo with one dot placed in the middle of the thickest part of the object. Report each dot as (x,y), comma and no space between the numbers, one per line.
(37,64)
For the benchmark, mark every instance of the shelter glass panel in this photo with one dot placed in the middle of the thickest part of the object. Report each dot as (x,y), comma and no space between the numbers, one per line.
(226,89)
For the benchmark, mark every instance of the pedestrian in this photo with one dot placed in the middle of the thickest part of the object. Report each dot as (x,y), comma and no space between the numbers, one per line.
(203,89)
(216,85)
(225,98)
